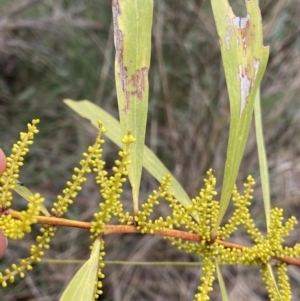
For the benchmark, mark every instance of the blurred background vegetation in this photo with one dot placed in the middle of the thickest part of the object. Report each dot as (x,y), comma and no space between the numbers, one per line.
(56,49)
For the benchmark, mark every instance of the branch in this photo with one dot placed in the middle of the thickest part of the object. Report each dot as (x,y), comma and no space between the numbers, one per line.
(115,229)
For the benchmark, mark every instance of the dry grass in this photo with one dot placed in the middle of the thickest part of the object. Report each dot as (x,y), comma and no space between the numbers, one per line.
(56,49)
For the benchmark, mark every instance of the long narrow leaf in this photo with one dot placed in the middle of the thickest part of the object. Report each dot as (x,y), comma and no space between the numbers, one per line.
(221,283)
(263,163)
(244,60)
(153,165)
(132,36)
(23,191)
(81,287)
(26,194)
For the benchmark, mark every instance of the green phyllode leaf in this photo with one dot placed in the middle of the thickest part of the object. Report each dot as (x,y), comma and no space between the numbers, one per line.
(24,192)
(262,157)
(221,283)
(81,287)
(132,36)
(244,60)
(154,166)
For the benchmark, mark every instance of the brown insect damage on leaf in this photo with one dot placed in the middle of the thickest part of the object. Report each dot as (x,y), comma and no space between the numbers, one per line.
(133,85)
(238,28)
(242,25)
(246,76)
(240,31)
(138,81)
(118,40)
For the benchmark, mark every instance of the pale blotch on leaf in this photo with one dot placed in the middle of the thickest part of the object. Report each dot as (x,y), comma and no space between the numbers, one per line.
(240,25)
(256,67)
(245,85)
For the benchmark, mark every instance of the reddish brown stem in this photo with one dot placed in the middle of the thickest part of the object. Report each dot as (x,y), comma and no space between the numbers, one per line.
(114,229)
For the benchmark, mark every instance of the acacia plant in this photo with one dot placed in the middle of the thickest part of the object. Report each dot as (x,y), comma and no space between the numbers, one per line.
(194,225)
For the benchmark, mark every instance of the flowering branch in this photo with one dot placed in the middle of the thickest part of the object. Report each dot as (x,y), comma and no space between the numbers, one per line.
(118,229)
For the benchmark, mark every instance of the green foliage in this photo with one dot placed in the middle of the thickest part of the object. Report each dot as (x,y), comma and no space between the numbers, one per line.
(221,283)
(263,164)
(82,286)
(193,226)
(132,36)
(213,249)
(244,60)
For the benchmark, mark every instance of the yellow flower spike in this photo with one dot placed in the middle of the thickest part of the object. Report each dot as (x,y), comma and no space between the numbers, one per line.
(203,206)
(111,188)
(207,279)
(269,283)
(17,228)
(141,217)
(35,253)
(214,213)
(289,226)
(180,215)
(241,214)
(98,283)
(70,193)
(14,162)
(283,282)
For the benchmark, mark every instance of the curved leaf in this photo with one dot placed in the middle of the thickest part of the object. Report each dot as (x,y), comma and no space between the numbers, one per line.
(81,287)
(23,191)
(244,60)
(221,283)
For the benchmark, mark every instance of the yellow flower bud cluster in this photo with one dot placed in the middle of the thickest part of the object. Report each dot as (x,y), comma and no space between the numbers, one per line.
(14,162)
(206,279)
(199,217)
(279,292)
(36,252)
(283,282)
(203,207)
(264,248)
(241,215)
(111,189)
(98,282)
(16,228)
(144,223)
(206,210)
(75,185)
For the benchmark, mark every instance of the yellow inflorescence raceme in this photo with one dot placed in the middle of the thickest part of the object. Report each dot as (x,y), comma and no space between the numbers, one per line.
(14,162)
(75,185)
(16,228)
(207,209)
(111,190)
(198,218)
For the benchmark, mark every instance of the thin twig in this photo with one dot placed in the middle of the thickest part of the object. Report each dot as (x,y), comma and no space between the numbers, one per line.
(115,229)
